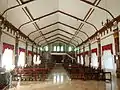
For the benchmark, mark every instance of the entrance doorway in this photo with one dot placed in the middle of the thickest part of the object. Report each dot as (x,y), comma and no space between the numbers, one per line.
(57,58)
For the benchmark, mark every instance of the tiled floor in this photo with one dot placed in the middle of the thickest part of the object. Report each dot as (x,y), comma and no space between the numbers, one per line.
(59,80)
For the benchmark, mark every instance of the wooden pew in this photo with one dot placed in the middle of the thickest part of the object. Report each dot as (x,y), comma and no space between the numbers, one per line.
(86,73)
(32,73)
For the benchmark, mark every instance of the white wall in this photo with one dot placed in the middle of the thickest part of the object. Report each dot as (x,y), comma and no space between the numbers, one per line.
(108,40)
(29,47)
(81,49)
(8,39)
(94,45)
(87,48)
(22,44)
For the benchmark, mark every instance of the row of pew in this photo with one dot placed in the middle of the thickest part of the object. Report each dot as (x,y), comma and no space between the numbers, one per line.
(32,73)
(76,71)
(26,73)
(4,80)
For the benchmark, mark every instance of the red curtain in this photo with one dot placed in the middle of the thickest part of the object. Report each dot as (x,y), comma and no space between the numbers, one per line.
(107,47)
(86,53)
(30,53)
(34,53)
(79,54)
(9,46)
(94,51)
(21,50)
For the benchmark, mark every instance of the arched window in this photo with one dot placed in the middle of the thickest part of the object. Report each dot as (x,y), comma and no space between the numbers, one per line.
(108,63)
(41,49)
(94,60)
(29,58)
(78,59)
(54,49)
(70,49)
(58,48)
(38,60)
(62,48)
(107,58)
(7,59)
(46,48)
(21,59)
(86,60)
(34,59)
(82,60)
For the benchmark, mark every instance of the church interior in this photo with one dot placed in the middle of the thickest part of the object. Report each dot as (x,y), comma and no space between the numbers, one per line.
(59,45)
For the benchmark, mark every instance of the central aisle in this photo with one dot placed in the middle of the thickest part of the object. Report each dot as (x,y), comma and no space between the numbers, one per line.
(58,75)
(58,79)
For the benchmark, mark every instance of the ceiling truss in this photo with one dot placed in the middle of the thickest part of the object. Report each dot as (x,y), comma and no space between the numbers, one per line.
(58,35)
(56,39)
(23,4)
(61,31)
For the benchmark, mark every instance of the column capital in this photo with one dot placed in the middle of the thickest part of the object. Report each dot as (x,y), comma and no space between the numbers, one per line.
(115,30)
(89,41)
(33,43)
(83,44)
(98,35)
(98,40)
(17,34)
(27,39)
(37,45)
(0,30)
(115,25)
(1,21)
(116,33)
